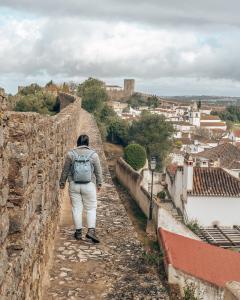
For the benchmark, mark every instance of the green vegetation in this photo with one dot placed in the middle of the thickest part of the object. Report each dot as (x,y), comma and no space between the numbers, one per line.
(194,226)
(153,101)
(154,257)
(135,156)
(117,131)
(35,99)
(190,291)
(150,131)
(154,134)
(93,94)
(232,113)
(136,100)
(30,89)
(178,144)
(162,195)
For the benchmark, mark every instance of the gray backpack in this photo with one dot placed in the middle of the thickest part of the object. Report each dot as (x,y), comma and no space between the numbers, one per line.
(82,168)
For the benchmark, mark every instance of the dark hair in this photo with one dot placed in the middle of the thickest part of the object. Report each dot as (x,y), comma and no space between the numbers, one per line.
(83,140)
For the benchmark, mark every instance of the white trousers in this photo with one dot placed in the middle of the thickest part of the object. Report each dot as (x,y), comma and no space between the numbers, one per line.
(83,196)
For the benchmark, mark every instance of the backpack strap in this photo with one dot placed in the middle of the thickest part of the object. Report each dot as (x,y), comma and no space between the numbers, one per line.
(77,155)
(90,154)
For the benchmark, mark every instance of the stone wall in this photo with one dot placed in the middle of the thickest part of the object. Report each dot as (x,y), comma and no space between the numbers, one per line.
(32,151)
(65,100)
(3,100)
(132,180)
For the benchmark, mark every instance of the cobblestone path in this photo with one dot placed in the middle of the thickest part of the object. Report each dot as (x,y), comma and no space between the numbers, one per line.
(113,269)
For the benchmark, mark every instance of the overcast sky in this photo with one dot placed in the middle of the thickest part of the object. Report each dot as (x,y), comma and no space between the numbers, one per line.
(170,47)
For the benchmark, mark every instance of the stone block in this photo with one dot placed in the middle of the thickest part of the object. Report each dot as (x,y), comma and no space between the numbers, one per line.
(3,264)
(3,194)
(4,225)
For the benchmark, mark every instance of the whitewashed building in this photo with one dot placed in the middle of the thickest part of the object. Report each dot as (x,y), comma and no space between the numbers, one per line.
(209,195)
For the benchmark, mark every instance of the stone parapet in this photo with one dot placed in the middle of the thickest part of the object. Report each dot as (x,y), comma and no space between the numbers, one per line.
(3,101)
(32,151)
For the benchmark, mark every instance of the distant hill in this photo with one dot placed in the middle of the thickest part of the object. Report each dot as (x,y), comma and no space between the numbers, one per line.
(221,100)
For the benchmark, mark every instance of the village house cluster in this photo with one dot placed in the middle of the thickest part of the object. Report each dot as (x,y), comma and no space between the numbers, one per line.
(202,184)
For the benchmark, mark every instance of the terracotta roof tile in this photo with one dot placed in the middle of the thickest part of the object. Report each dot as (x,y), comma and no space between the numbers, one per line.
(212,124)
(209,117)
(214,182)
(236,132)
(226,153)
(201,260)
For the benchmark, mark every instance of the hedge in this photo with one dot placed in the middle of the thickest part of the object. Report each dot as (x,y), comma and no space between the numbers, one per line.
(135,156)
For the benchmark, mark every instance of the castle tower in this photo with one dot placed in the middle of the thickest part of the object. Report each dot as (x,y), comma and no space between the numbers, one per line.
(129,87)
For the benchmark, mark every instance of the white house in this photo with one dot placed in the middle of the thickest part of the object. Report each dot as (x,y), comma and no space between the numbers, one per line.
(114,88)
(209,195)
(212,122)
(234,136)
(183,126)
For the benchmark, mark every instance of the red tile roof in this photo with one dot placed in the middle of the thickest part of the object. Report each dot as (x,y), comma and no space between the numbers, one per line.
(227,154)
(201,260)
(214,182)
(209,117)
(236,132)
(212,124)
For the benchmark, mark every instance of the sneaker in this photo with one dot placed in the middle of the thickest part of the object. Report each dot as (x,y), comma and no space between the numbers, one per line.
(78,234)
(91,234)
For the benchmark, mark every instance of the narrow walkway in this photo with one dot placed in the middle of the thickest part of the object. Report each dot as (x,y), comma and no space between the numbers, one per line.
(114,269)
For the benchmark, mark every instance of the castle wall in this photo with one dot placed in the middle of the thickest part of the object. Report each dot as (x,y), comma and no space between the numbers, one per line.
(32,151)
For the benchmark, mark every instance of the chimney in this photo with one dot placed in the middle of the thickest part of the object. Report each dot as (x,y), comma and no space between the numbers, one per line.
(187,173)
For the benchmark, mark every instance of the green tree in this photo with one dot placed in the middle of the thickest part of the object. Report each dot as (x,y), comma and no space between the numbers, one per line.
(154,134)
(178,144)
(199,104)
(30,89)
(153,101)
(135,156)
(106,113)
(117,131)
(40,102)
(136,100)
(93,93)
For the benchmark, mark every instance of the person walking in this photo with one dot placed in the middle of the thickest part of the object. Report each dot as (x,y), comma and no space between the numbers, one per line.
(83,170)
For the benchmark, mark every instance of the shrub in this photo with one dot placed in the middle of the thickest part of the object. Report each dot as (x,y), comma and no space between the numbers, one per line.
(191,292)
(162,195)
(40,102)
(135,156)
(194,226)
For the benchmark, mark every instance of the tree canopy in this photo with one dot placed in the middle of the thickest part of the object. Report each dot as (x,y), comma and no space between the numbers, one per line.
(93,93)
(154,134)
(232,113)
(135,156)
(40,102)
(153,101)
(136,100)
